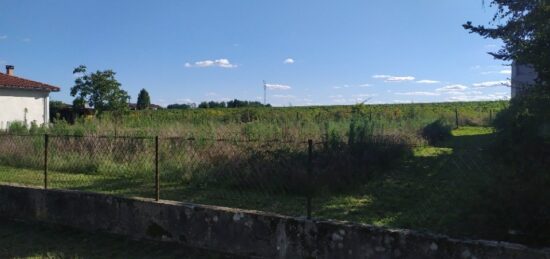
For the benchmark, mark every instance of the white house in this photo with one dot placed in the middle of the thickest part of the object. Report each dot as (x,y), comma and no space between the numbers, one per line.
(23,100)
(523,76)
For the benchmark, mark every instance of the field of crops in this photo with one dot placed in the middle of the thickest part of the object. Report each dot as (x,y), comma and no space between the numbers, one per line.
(292,123)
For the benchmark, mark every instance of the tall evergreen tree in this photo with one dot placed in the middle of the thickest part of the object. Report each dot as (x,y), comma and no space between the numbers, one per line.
(143,100)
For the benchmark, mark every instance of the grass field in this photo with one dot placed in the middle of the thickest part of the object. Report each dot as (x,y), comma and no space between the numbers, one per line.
(435,189)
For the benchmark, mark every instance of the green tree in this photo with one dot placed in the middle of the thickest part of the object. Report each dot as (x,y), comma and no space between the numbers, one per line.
(100,90)
(517,201)
(143,100)
(524,28)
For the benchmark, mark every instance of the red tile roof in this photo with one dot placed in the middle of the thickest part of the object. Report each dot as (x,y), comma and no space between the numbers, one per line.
(7,81)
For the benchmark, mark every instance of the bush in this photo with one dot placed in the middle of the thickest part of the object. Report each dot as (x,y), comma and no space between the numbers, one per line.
(18,127)
(436,131)
(517,201)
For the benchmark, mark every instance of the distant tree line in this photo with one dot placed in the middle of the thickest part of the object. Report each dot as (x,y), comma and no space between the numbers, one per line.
(213,104)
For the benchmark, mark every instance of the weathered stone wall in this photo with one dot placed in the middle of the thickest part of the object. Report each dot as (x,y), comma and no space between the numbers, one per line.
(246,233)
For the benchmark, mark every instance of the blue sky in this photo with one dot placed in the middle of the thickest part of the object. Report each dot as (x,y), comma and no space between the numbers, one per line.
(310,52)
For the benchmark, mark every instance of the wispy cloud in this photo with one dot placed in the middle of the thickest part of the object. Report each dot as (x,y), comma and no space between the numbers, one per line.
(284,96)
(419,93)
(277,87)
(480,97)
(428,81)
(184,100)
(492,84)
(388,78)
(223,63)
(350,86)
(452,88)
(502,72)
(3,37)
(288,61)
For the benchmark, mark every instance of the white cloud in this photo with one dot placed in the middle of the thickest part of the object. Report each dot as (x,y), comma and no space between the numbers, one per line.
(185,100)
(506,72)
(480,97)
(419,93)
(223,63)
(288,61)
(350,86)
(452,88)
(400,78)
(388,78)
(277,87)
(492,83)
(428,82)
(284,96)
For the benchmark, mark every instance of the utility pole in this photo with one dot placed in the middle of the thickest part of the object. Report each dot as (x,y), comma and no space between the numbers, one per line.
(265,93)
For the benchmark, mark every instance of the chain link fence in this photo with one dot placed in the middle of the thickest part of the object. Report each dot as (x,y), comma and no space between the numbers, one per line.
(296,178)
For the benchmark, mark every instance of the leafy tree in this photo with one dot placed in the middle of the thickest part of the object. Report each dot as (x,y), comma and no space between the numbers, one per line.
(100,90)
(524,27)
(143,100)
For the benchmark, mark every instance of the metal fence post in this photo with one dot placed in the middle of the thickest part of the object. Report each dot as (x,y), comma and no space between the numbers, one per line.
(456,118)
(46,145)
(157,175)
(309,174)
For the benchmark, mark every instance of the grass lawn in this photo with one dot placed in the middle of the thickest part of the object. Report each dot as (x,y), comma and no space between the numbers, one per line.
(30,240)
(435,189)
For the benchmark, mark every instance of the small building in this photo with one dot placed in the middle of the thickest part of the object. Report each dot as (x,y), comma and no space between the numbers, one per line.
(523,76)
(23,100)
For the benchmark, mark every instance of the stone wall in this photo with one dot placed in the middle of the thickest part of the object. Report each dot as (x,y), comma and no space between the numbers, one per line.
(244,233)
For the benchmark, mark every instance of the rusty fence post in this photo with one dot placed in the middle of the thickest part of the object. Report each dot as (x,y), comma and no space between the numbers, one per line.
(157,174)
(456,118)
(46,146)
(309,177)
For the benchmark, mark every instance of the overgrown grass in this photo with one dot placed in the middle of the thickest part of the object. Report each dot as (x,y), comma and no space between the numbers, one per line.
(436,188)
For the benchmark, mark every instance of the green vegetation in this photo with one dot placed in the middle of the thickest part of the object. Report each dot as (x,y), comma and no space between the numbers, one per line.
(436,188)
(296,123)
(99,90)
(519,199)
(389,165)
(143,100)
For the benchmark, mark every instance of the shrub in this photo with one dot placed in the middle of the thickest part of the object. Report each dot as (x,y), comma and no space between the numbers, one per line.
(517,202)
(18,127)
(436,131)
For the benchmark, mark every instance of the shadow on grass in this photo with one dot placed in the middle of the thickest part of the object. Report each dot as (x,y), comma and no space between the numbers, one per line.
(433,190)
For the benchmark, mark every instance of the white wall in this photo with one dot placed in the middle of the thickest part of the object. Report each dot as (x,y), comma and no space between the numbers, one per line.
(14,101)
(522,76)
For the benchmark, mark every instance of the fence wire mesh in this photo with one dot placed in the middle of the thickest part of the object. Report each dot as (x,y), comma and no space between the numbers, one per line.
(275,176)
